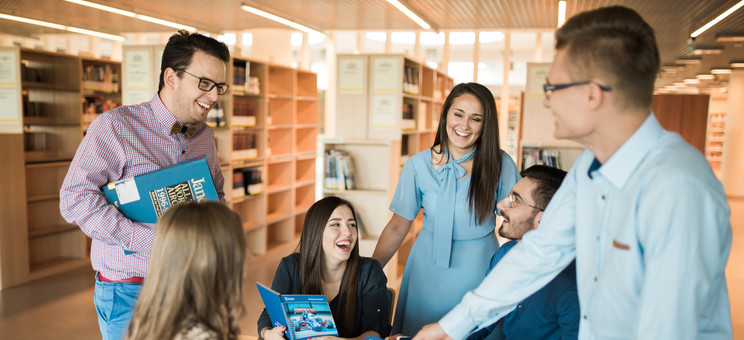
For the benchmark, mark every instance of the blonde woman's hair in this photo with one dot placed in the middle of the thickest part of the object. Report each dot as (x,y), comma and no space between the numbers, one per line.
(195,274)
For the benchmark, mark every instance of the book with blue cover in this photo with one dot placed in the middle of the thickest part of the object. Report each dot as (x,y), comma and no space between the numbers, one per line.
(306,316)
(144,198)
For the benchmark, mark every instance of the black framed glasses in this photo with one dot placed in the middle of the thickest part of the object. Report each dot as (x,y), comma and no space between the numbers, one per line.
(513,200)
(206,84)
(548,88)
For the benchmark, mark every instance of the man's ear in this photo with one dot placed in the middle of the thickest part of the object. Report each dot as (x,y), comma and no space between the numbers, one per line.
(537,219)
(170,78)
(595,95)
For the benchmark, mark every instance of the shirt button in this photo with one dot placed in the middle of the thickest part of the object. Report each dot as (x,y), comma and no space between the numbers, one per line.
(584,316)
(595,279)
(519,306)
(603,197)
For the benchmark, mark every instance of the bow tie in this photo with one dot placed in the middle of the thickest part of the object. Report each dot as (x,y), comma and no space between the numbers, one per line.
(188,130)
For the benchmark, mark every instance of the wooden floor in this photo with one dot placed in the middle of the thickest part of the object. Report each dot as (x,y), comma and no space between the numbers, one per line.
(61,307)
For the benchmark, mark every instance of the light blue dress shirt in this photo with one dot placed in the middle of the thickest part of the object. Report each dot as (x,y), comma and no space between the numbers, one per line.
(651,236)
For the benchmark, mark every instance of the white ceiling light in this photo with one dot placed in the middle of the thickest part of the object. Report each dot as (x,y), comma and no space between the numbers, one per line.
(720,70)
(377,36)
(412,15)
(279,19)
(133,15)
(403,38)
(730,36)
(701,50)
(737,64)
(717,19)
(462,38)
(62,27)
(705,76)
(487,37)
(432,38)
(561,12)
(689,60)
(691,81)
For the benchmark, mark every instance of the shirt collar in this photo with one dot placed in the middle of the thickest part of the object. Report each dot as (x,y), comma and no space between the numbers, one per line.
(165,117)
(626,159)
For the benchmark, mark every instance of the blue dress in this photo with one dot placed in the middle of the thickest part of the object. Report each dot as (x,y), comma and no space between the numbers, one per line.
(427,290)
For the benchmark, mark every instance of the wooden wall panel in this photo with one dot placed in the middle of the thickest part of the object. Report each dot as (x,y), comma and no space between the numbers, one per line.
(13,235)
(686,114)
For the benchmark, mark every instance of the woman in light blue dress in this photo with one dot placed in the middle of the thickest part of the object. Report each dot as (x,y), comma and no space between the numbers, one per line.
(457,183)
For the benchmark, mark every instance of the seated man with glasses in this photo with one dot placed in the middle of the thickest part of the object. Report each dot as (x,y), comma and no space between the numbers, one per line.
(553,311)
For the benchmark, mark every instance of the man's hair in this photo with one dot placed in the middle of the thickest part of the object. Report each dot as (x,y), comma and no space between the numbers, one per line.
(616,45)
(195,274)
(181,47)
(548,180)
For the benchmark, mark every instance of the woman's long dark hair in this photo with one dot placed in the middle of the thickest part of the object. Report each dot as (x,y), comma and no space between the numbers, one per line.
(312,261)
(487,161)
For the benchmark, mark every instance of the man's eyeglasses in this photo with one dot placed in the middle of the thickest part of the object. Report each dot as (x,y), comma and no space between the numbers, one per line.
(513,200)
(206,84)
(548,88)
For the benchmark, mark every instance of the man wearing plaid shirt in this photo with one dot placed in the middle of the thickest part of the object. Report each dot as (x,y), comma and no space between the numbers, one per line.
(131,140)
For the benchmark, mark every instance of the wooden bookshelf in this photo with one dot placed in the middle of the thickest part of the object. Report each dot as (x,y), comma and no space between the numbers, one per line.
(376,171)
(49,87)
(278,107)
(100,89)
(715,138)
(48,120)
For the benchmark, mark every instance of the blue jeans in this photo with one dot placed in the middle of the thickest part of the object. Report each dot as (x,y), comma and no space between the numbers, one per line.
(115,303)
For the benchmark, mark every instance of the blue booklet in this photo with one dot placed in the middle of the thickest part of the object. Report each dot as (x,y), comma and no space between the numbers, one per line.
(145,197)
(306,316)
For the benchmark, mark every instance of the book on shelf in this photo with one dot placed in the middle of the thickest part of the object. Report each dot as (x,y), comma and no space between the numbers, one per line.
(339,170)
(240,72)
(253,181)
(244,111)
(144,198)
(306,316)
(540,156)
(34,141)
(101,78)
(407,121)
(238,184)
(216,116)
(244,145)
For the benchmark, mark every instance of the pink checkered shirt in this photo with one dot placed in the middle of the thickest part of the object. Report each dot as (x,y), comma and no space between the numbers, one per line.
(124,142)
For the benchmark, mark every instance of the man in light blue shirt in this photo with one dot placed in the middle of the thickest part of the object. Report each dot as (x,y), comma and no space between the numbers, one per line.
(640,211)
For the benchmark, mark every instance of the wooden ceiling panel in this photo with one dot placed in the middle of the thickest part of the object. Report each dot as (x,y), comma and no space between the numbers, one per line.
(673,20)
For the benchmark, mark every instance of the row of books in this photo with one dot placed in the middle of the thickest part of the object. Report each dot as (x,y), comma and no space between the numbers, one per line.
(97,104)
(411,80)
(248,181)
(32,108)
(339,170)
(216,117)
(244,145)
(31,73)
(539,156)
(244,111)
(34,141)
(407,118)
(241,77)
(100,73)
